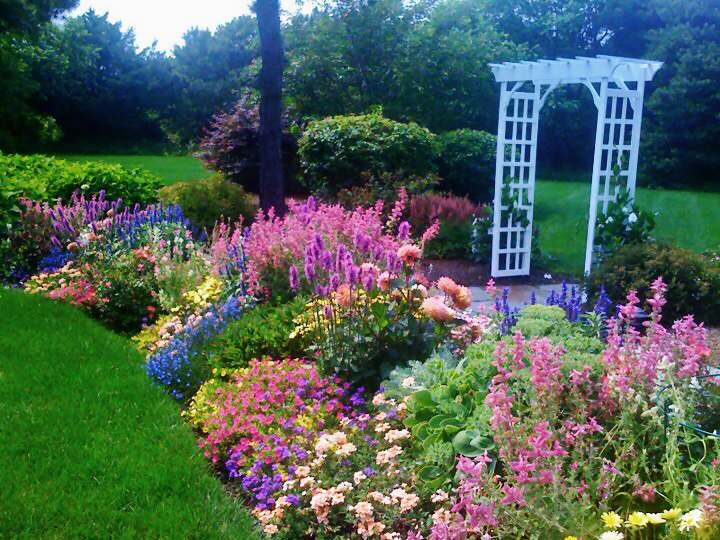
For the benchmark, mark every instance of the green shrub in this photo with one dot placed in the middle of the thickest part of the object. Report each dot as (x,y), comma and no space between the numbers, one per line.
(207,201)
(335,152)
(693,280)
(44,178)
(466,163)
(262,331)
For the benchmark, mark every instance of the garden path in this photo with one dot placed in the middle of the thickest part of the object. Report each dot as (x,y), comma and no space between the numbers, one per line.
(519,295)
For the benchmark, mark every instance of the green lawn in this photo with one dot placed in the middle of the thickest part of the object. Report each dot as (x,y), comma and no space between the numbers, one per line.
(170,169)
(687,218)
(90,449)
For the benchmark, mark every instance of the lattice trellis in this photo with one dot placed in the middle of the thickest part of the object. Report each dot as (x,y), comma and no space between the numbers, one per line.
(618,86)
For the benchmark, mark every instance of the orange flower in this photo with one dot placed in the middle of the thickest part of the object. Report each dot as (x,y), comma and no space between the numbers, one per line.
(344,295)
(462,298)
(448,286)
(409,254)
(435,308)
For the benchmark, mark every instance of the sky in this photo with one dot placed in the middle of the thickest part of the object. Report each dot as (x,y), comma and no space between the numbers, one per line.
(166,20)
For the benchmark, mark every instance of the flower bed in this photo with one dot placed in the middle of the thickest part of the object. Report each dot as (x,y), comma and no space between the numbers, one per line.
(410,416)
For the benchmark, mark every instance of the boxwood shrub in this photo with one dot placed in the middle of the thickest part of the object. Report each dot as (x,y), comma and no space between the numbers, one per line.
(342,152)
(207,201)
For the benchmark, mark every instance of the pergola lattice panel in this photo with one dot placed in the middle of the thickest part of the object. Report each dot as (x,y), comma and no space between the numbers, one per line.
(617,85)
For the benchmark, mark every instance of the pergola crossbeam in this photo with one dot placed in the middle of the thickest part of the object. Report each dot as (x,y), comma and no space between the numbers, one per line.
(618,98)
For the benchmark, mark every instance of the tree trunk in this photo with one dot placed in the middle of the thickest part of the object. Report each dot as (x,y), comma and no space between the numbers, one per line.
(272,189)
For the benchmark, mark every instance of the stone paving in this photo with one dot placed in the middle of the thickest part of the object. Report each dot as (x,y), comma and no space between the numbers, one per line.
(519,295)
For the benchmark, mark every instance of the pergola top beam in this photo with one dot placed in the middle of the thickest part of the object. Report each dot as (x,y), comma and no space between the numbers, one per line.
(577,69)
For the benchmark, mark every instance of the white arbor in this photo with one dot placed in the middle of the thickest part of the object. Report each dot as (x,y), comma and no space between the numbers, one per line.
(617,86)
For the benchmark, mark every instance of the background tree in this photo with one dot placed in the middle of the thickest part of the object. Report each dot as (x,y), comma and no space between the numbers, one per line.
(211,70)
(21,23)
(272,195)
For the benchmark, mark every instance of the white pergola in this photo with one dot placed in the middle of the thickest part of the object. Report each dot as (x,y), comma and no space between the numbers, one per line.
(617,86)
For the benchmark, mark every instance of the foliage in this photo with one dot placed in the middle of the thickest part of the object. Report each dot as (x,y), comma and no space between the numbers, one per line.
(210,70)
(446,410)
(466,163)
(43,178)
(69,383)
(418,60)
(335,152)
(623,223)
(208,201)
(568,435)
(263,331)
(386,188)
(455,215)
(231,145)
(693,281)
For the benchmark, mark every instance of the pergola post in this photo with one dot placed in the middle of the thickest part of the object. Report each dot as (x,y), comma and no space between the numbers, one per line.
(617,141)
(515,177)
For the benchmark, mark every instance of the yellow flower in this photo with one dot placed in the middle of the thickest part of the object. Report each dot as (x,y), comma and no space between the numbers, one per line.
(692,520)
(637,519)
(655,519)
(611,520)
(571,538)
(671,514)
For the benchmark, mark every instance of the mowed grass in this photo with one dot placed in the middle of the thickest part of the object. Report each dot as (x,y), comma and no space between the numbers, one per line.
(90,449)
(687,218)
(170,169)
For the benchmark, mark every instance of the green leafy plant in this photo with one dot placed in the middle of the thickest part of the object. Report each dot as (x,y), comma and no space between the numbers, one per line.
(693,279)
(43,178)
(209,201)
(335,152)
(466,163)
(623,223)
(262,331)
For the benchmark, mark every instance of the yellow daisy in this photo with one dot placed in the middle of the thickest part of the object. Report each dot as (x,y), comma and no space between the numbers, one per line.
(611,520)
(655,519)
(671,514)
(637,519)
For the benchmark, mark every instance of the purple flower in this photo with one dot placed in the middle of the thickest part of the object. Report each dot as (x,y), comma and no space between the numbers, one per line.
(404,231)
(294,279)
(310,271)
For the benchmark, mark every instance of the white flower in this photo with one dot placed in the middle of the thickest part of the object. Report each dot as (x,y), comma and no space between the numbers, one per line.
(692,520)
(611,535)
(632,218)
(609,219)
(548,276)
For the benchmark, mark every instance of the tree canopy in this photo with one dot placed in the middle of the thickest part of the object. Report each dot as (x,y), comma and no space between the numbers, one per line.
(421,60)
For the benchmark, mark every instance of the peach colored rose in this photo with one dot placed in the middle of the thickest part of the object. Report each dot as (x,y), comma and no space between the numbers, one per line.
(409,254)
(384,279)
(435,308)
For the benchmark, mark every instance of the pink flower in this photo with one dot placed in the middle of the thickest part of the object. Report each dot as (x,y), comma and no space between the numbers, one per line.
(435,308)
(513,495)
(448,286)
(409,254)
(344,295)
